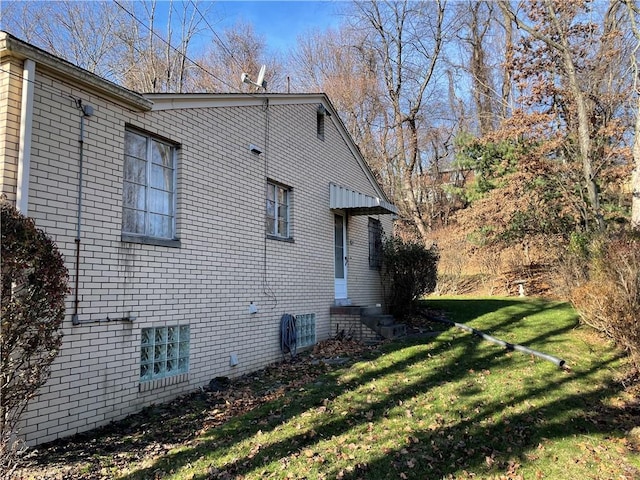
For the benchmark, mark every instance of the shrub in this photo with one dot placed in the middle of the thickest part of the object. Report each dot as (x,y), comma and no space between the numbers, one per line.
(609,299)
(409,271)
(34,286)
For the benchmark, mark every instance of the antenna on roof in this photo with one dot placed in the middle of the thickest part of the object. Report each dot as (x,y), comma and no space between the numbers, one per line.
(260,83)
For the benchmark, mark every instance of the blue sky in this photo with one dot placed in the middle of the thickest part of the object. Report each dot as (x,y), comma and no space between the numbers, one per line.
(279,22)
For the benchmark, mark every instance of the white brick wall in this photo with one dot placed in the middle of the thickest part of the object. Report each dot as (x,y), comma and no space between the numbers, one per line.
(224,261)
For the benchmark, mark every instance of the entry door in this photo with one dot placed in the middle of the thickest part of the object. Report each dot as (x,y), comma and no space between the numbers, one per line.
(340,237)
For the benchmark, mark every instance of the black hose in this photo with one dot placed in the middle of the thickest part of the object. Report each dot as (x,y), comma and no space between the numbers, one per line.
(509,346)
(288,335)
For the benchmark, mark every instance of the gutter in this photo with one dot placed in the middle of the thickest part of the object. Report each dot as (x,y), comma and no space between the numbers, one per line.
(62,69)
(26,122)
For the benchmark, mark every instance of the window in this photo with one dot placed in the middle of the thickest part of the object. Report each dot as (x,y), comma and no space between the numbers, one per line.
(278,203)
(306,330)
(148,195)
(375,244)
(164,352)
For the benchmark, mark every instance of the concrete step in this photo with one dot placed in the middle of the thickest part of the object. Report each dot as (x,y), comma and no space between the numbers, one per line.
(371,322)
(381,320)
(393,331)
(384,325)
(371,310)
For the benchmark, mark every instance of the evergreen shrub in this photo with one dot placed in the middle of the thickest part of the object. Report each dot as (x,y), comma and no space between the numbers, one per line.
(409,271)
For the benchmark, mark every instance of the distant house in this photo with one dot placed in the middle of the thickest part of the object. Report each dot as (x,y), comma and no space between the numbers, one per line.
(190,224)
(438,192)
(436,184)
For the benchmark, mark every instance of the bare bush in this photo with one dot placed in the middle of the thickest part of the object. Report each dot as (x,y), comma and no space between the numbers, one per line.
(34,286)
(609,299)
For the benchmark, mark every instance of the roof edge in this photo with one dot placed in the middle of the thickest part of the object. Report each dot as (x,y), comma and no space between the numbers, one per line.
(13,46)
(170,101)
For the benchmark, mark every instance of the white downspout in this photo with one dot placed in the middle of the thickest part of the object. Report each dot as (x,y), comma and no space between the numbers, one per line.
(24,152)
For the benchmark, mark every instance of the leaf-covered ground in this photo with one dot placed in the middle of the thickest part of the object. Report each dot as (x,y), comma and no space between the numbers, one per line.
(443,405)
(158,429)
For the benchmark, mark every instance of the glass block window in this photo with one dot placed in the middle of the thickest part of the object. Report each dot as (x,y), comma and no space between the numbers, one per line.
(164,352)
(148,194)
(306,329)
(277,215)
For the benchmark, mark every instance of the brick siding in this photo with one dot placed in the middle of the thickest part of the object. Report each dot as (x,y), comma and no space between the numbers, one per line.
(224,261)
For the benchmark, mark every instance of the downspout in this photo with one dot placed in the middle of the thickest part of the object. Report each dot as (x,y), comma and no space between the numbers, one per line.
(508,346)
(86,111)
(26,121)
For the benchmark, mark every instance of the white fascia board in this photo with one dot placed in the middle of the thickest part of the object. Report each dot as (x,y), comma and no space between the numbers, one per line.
(177,101)
(11,46)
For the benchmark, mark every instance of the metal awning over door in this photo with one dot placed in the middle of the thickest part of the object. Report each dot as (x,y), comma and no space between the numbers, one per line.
(356,203)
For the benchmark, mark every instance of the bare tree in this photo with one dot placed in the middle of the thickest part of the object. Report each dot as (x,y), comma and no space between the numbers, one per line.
(634,12)
(157,59)
(506,89)
(485,43)
(555,25)
(480,19)
(407,39)
(84,33)
(232,52)
(339,63)
(122,40)
(384,74)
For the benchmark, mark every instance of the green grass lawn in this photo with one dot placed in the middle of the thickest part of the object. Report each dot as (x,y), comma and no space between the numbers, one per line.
(451,406)
(448,406)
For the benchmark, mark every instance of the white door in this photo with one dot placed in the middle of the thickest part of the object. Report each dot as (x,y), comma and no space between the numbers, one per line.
(340,237)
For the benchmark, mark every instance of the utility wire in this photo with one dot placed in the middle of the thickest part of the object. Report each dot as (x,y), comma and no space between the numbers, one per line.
(153,32)
(224,46)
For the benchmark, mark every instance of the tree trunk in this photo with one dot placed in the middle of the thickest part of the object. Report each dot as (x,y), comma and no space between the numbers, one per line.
(506,73)
(409,179)
(560,44)
(482,91)
(633,10)
(635,178)
(584,130)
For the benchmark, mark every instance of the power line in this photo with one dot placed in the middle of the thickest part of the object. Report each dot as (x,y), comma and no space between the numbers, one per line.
(224,46)
(153,32)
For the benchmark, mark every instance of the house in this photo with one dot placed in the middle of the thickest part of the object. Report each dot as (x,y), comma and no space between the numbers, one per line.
(190,224)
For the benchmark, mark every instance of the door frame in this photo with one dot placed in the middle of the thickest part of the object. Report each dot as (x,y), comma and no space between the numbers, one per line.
(340,283)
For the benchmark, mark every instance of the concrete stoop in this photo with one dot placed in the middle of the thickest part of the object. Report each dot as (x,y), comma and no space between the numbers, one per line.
(351,320)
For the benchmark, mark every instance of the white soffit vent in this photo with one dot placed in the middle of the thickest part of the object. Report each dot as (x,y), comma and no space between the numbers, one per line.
(356,203)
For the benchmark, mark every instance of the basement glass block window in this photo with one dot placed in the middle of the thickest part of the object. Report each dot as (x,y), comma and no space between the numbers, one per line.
(164,352)
(306,329)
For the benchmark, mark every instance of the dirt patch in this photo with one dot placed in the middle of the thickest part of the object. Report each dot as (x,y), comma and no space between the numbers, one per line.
(468,267)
